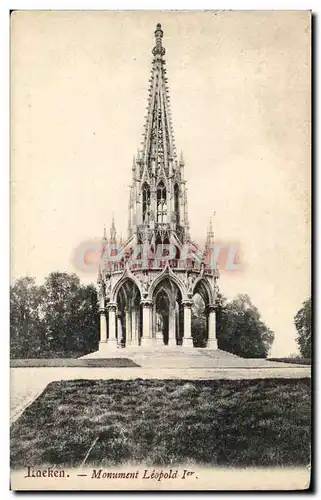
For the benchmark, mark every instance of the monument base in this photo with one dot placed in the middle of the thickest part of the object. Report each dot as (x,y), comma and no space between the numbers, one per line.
(108,345)
(132,344)
(212,344)
(147,342)
(188,342)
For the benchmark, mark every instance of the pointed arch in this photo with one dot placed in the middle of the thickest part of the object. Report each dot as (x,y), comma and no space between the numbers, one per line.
(161,200)
(203,287)
(167,300)
(118,286)
(172,277)
(127,296)
(146,201)
(161,289)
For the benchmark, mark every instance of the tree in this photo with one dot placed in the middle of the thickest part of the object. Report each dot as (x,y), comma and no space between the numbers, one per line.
(27,333)
(58,318)
(71,314)
(303,324)
(240,329)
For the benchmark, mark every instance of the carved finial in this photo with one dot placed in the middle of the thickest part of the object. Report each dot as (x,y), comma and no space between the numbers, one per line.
(210,232)
(158,49)
(113,230)
(181,159)
(105,233)
(158,33)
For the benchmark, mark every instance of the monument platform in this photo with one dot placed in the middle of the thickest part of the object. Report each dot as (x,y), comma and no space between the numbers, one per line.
(185,358)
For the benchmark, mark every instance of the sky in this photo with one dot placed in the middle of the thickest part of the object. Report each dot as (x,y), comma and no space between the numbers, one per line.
(240,93)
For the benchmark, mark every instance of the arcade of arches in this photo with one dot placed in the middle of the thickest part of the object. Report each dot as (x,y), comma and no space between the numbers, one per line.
(163,317)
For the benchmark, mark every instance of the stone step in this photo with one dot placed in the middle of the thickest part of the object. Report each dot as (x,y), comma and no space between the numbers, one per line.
(184,358)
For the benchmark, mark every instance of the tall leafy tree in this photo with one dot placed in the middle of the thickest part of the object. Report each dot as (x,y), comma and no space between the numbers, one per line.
(303,324)
(27,331)
(58,318)
(241,329)
(71,314)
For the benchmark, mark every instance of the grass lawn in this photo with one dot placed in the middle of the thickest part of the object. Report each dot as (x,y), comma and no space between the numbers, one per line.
(72,362)
(298,360)
(157,422)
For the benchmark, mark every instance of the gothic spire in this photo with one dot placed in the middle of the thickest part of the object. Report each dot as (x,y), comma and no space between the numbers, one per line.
(158,139)
(113,231)
(158,195)
(104,242)
(210,234)
(130,206)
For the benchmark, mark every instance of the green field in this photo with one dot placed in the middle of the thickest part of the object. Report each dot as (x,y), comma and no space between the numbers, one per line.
(157,422)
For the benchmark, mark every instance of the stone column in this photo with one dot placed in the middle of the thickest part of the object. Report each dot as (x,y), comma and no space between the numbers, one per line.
(212,341)
(154,321)
(147,339)
(112,339)
(134,322)
(128,327)
(103,329)
(176,324)
(172,326)
(187,339)
(119,331)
